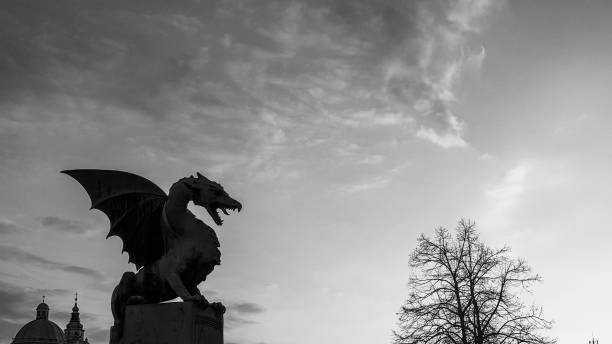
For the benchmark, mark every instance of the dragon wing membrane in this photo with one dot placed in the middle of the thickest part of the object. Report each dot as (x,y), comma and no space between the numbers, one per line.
(134,207)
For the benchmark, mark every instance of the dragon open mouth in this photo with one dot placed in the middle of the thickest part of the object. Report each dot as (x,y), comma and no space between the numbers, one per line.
(213,211)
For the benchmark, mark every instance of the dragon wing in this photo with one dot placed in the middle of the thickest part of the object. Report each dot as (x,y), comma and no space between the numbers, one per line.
(134,206)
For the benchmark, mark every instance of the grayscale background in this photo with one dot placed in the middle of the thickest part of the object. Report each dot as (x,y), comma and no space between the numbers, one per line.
(345,128)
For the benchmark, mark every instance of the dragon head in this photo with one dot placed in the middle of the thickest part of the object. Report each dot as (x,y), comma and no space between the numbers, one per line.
(211,196)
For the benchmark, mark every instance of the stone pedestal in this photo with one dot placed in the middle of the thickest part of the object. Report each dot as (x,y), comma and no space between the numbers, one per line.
(172,323)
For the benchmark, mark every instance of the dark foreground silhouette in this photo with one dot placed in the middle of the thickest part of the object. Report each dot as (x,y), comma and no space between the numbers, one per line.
(173,250)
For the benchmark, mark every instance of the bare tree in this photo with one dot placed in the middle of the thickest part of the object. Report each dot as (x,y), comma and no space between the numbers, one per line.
(462,291)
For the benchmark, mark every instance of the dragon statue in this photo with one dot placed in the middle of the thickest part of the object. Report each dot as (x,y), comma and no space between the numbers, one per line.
(172,249)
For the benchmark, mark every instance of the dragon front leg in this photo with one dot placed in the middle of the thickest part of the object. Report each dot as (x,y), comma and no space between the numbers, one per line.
(176,283)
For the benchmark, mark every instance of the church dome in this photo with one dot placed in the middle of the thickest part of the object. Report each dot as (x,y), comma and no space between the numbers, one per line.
(40,331)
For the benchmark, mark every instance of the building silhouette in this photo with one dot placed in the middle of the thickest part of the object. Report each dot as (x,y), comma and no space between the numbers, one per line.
(74,329)
(44,331)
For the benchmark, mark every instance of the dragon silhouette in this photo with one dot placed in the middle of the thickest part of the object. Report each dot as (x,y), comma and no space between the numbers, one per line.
(172,249)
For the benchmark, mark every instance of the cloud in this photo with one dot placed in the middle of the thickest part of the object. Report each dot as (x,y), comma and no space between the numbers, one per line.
(512,185)
(382,178)
(232,321)
(237,312)
(365,185)
(119,38)
(176,85)
(505,195)
(10,253)
(446,140)
(424,78)
(15,311)
(9,227)
(18,307)
(14,303)
(247,308)
(373,159)
(61,224)
(571,124)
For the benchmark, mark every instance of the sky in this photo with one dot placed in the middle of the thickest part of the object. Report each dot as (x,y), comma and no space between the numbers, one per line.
(345,128)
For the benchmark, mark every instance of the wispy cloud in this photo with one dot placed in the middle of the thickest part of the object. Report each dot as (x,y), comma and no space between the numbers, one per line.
(18,305)
(571,124)
(233,321)
(9,227)
(239,311)
(11,253)
(506,194)
(366,185)
(424,78)
(63,225)
(381,179)
(511,187)
(446,140)
(14,302)
(14,311)
(285,82)
(247,307)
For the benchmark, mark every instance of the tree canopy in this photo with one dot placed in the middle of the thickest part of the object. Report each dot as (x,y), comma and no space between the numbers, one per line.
(462,291)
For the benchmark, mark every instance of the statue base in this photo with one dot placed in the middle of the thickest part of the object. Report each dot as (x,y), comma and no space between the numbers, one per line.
(172,323)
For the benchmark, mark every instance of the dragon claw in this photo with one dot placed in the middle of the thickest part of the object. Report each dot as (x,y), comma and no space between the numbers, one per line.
(218,307)
(198,299)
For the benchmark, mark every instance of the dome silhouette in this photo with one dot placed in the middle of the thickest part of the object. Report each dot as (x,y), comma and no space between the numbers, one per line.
(40,331)
(42,306)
